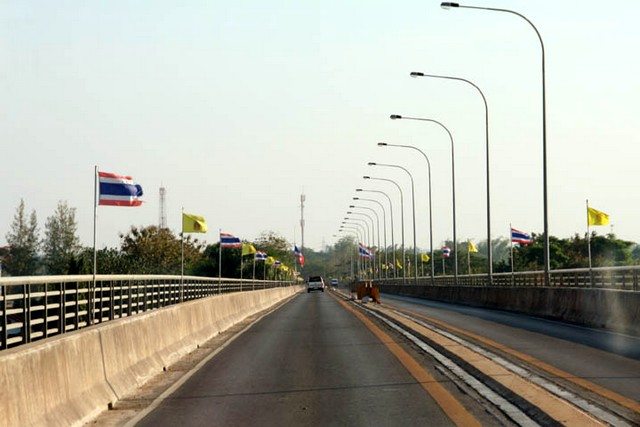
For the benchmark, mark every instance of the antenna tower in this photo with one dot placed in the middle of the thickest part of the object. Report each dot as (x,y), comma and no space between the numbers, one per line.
(162,223)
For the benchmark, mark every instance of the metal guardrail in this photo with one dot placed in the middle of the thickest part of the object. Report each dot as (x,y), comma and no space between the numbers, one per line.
(622,278)
(37,307)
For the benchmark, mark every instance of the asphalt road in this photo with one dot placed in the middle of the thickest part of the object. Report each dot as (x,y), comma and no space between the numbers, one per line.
(609,359)
(310,362)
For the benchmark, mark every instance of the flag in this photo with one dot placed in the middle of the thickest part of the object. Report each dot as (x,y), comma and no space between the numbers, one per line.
(398,265)
(471,247)
(424,257)
(229,241)
(298,253)
(520,237)
(446,252)
(363,251)
(193,223)
(277,263)
(260,256)
(596,217)
(248,249)
(118,190)
(270,260)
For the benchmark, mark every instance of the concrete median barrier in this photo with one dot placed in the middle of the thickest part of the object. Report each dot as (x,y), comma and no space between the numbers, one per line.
(69,379)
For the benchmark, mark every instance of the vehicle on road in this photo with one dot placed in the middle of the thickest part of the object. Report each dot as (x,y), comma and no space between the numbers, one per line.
(334,282)
(315,283)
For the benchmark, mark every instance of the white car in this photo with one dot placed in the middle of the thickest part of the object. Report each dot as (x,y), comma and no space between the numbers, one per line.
(315,283)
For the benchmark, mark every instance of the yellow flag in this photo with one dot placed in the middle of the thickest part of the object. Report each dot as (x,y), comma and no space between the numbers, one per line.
(398,264)
(471,247)
(193,223)
(270,260)
(424,257)
(248,249)
(595,217)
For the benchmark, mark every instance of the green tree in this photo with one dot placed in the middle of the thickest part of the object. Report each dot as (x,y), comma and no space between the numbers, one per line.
(23,243)
(61,244)
(154,250)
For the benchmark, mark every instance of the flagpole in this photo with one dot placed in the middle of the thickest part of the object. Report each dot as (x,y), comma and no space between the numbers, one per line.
(182,257)
(513,277)
(253,287)
(95,253)
(241,256)
(468,257)
(589,244)
(220,261)
(444,271)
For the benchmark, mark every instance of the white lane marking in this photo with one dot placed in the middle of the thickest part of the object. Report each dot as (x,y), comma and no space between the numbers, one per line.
(505,406)
(553,388)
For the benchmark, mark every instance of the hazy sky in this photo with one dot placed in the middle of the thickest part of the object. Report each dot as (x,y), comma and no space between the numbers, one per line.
(236,107)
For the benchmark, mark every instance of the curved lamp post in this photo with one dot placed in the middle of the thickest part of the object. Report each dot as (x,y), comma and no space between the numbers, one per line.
(393,243)
(377,233)
(404,270)
(372,231)
(453,186)
(384,144)
(413,204)
(384,225)
(486,134)
(449,5)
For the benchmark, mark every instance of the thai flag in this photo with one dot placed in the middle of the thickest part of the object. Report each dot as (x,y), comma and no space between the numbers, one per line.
(277,263)
(364,251)
(118,190)
(229,241)
(261,256)
(446,252)
(298,253)
(520,237)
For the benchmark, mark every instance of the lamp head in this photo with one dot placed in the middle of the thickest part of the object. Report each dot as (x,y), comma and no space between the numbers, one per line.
(395,116)
(448,5)
(372,163)
(416,74)
(351,206)
(356,198)
(382,144)
(365,177)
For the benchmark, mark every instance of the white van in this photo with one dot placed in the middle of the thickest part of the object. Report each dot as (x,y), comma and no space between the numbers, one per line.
(315,283)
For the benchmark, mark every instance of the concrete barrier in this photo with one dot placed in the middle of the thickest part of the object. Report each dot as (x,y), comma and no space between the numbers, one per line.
(71,378)
(601,308)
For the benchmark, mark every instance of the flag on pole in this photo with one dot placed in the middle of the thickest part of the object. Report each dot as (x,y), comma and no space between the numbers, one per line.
(471,247)
(260,256)
(298,253)
(398,265)
(118,190)
(193,223)
(270,260)
(596,217)
(229,241)
(424,257)
(363,251)
(520,237)
(248,249)
(277,263)
(446,252)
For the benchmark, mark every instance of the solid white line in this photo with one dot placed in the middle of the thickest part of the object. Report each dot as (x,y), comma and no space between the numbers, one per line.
(175,386)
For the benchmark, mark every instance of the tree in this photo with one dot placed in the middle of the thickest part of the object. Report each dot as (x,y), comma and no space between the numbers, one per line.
(61,244)
(154,250)
(23,243)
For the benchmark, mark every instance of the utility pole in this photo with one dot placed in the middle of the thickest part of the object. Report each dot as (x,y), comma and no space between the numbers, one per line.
(302,199)
(162,221)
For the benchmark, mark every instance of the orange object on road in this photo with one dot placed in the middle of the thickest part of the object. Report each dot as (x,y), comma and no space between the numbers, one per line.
(366,289)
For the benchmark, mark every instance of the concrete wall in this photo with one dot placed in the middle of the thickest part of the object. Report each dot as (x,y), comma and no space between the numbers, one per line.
(69,379)
(601,308)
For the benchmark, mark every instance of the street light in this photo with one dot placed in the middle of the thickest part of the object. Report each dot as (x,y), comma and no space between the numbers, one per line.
(447,5)
(393,243)
(384,227)
(404,270)
(378,233)
(353,231)
(486,134)
(413,203)
(384,144)
(453,186)
(373,234)
(365,225)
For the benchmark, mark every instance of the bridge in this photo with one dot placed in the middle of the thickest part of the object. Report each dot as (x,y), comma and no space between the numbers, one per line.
(163,350)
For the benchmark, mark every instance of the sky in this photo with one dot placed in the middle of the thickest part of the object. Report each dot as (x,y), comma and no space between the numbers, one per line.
(239,107)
